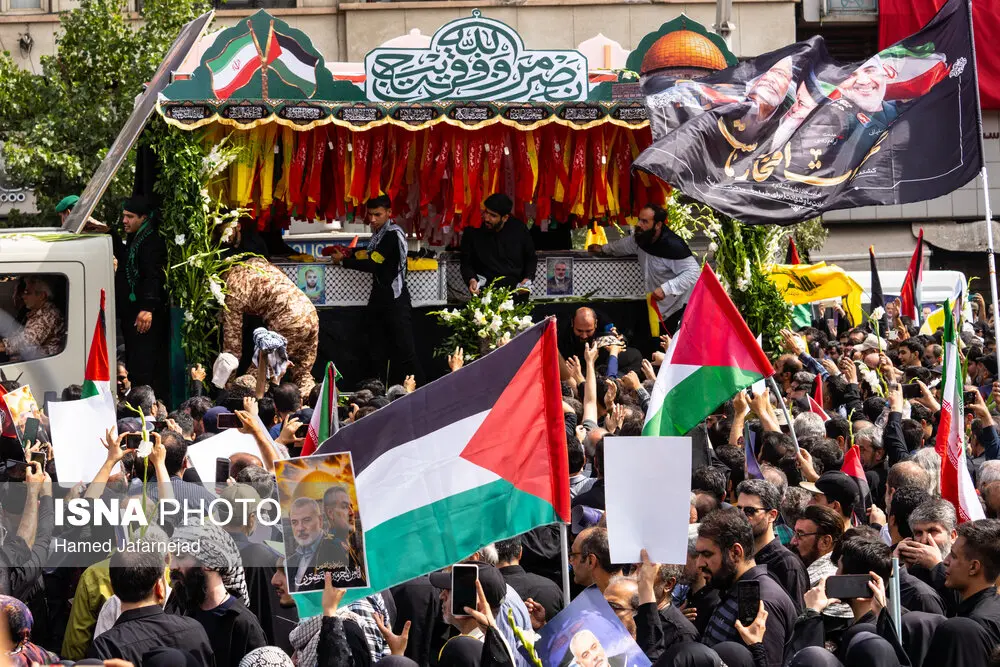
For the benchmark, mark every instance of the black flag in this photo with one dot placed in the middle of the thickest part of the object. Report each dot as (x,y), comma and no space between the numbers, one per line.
(792,133)
(878,301)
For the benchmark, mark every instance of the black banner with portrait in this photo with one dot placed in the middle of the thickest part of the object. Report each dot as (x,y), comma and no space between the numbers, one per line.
(787,135)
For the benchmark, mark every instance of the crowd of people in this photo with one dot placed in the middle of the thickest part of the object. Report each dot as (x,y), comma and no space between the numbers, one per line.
(770,505)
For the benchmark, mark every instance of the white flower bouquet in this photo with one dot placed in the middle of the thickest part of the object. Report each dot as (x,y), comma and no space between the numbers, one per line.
(489,320)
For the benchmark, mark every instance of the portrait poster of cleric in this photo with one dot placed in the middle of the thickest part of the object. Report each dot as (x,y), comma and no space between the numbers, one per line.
(320,522)
(588,633)
(789,134)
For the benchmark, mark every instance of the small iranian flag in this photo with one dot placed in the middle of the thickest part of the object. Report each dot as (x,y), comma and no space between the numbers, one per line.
(712,357)
(97,377)
(324,422)
(235,66)
(292,63)
(956,483)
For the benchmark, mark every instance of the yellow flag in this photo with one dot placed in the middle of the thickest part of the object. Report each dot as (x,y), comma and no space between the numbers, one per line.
(933,322)
(808,283)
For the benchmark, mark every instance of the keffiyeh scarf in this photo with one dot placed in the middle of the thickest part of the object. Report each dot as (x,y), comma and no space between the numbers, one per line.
(272,347)
(216,551)
(390,226)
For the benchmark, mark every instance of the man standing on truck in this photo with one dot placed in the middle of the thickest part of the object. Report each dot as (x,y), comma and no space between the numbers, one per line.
(140,295)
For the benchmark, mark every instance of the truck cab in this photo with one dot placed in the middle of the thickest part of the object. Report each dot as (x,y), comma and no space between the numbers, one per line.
(74,268)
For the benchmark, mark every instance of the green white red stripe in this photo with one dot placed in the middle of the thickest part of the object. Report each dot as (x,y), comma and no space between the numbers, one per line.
(956,483)
(712,357)
(324,422)
(97,376)
(235,66)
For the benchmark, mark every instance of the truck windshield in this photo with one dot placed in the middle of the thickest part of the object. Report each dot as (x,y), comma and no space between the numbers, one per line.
(32,316)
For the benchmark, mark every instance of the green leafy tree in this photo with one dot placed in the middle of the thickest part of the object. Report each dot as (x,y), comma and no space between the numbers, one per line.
(57,126)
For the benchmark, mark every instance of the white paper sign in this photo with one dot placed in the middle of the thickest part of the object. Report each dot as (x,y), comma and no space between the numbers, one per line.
(647,483)
(78,432)
(223,445)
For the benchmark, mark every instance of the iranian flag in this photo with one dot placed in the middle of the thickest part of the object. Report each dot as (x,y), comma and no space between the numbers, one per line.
(235,66)
(291,62)
(474,457)
(956,483)
(712,357)
(912,71)
(97,377)
(324,422)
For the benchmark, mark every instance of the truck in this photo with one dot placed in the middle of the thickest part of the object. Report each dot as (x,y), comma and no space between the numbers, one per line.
(76,267)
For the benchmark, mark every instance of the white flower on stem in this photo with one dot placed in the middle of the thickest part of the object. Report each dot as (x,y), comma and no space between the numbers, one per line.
(524,322)
(713,247)
(506,305)
(486,299)
(478,317)
(505,338)
(216,288)
(180,239)
(188,316)
(496,323)
(877,313)
(145,449)
(742,284)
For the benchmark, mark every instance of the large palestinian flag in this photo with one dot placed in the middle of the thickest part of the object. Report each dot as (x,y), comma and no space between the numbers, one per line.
(712,357)
(475,457)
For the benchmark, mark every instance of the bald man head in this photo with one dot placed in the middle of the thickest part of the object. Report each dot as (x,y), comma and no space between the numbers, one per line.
(585,324)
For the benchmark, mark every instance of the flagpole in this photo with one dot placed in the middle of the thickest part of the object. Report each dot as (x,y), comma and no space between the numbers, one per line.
(564,547)
(991,260)
(784,409)
(895,608)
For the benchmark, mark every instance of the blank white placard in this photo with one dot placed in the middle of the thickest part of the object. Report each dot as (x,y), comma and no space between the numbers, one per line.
(647,483)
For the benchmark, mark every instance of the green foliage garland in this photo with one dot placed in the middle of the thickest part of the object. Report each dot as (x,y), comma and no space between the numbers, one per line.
(196,230)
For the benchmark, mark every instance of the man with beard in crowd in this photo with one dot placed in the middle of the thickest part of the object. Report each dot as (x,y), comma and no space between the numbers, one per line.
(340,550)
(758,499)
(137,580)
(725,554)
(500,250)
(669,270)
(933,524)
(210,587)
(589,327)
(286,617)
(692,594)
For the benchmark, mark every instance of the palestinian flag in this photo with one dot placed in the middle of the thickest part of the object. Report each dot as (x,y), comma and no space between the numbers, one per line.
(324,422)
(97,376)
(286,58)
(474,457)
(235,66)
(956,483)
(712,357)
(792,255)
(910,296)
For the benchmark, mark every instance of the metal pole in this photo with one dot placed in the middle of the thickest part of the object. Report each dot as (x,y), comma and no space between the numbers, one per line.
(564,545)
(894,605)
(784,409)
(991,260)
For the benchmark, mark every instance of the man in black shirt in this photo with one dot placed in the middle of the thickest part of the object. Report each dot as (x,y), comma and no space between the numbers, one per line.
(209,586)
(388,311)
(137,580)
(534,587)
(501,249)
(141,297)
(758,499)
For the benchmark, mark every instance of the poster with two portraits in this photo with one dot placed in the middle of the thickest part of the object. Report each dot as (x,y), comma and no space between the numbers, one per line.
(320,522)
(787,135)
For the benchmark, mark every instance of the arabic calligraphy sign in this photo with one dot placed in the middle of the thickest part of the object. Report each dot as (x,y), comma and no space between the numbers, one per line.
(475,59)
